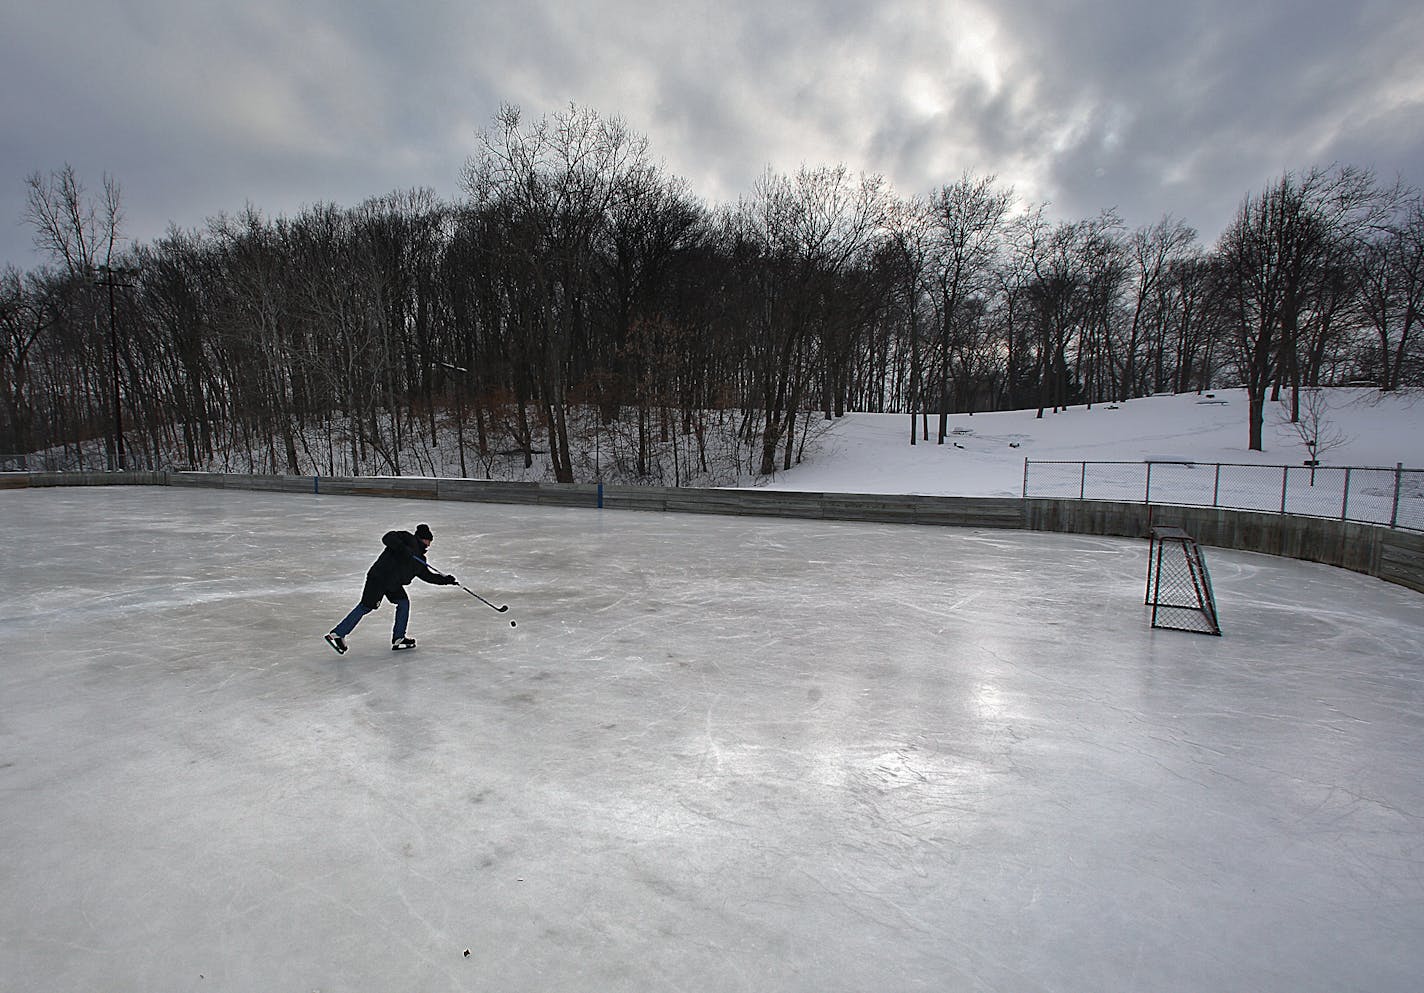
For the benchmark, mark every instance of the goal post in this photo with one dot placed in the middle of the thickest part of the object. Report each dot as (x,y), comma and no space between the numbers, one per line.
(1178,584)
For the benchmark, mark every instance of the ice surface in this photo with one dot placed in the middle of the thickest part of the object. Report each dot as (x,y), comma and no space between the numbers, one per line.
(717,754)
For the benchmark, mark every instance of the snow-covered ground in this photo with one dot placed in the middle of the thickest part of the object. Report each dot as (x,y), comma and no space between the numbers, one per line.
(984,453)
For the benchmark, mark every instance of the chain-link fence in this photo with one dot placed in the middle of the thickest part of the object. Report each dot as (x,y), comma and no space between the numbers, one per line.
(1392,497)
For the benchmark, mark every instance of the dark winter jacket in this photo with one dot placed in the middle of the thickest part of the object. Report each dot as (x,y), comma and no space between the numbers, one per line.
(402,561)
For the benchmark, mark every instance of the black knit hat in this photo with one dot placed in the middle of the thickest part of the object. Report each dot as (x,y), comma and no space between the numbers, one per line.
(423,531)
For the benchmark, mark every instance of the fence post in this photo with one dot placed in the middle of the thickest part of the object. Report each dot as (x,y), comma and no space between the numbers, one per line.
(1025,482)
(1285,479)
(1083,483)
(1147,497)
(1394,513)
(1216,487)
(1345,501)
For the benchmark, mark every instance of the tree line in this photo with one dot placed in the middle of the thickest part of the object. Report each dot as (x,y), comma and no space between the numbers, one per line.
(581,305)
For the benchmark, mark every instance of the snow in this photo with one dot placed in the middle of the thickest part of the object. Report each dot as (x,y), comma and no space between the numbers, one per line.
(984,453)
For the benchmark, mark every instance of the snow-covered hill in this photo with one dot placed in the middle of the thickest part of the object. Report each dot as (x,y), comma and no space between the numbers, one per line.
(984,453)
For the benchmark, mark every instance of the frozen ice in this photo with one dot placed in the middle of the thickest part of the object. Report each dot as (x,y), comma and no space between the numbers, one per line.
(716,754)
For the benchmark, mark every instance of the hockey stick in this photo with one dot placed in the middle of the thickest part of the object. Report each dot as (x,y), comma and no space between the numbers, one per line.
(464,587)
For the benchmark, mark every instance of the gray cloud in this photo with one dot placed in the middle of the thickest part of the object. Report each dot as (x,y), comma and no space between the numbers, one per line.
(199,108)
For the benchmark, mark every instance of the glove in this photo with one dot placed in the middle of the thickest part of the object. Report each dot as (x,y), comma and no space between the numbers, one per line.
(451,581)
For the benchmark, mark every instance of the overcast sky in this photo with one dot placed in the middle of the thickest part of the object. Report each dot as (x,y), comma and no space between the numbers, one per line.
(197,108)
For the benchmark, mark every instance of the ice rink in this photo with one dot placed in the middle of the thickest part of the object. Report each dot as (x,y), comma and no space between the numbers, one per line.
(716,754)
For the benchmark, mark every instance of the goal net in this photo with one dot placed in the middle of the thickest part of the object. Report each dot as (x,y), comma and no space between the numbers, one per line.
(1178,585)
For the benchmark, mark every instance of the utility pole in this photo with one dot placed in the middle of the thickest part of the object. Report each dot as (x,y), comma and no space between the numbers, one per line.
(460,412)
(111,279)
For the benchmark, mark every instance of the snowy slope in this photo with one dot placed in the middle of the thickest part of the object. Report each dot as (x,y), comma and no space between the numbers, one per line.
(984,453)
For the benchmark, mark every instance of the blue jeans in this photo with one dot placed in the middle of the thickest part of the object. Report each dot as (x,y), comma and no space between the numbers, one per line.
(349,622)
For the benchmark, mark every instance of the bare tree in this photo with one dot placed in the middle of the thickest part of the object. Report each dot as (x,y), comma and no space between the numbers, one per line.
(909,241)
(557,182)
(968,223)
(1191,294)
(82,235)
(804,234)
(1105,267)
(24,316)
(69,225)
(1013,286)
(1057,302)
(1310,422)
(1278,245)
(1391,268)
(1154,252)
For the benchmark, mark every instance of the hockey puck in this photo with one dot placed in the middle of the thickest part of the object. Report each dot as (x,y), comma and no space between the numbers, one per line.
(512,624)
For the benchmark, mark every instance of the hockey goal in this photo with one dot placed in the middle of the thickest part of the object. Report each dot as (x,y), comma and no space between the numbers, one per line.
(1178,584)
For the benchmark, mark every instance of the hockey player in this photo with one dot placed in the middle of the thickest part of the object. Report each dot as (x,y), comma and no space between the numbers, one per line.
(402,561)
